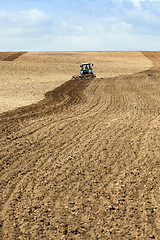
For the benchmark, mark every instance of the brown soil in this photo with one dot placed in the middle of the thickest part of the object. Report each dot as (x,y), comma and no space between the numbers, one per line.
(83,163)
(26,79)
(11,56)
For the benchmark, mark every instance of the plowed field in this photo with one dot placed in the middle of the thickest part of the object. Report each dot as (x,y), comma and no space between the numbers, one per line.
(84,162)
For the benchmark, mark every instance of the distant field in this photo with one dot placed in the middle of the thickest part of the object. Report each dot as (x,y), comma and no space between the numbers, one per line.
(25,77)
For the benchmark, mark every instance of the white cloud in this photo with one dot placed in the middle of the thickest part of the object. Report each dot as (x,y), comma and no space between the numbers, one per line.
(69,28)
(3,14)
(18,30)
(138,3)
(115,26)
(31,17)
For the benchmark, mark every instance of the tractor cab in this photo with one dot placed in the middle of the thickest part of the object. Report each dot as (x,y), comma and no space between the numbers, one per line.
(86,68)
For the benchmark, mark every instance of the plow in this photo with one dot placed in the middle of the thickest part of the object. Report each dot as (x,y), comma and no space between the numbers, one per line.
(86,72)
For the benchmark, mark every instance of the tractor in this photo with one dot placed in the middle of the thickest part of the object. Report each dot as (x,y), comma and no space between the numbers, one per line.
(85,72)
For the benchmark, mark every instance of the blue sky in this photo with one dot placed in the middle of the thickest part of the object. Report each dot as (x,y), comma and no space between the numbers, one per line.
(51,25)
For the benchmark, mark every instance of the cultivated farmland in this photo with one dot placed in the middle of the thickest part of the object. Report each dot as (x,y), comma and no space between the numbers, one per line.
(80,159)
